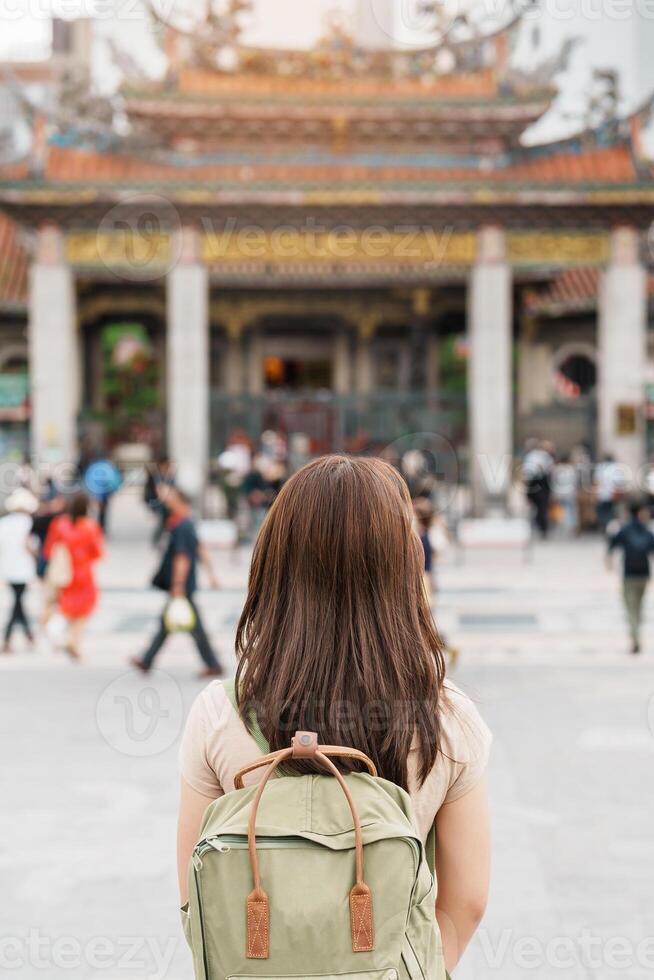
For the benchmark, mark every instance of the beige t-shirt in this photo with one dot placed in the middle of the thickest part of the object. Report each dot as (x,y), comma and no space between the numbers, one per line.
(216,745)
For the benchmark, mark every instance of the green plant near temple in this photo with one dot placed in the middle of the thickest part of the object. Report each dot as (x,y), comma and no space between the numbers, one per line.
(130,380)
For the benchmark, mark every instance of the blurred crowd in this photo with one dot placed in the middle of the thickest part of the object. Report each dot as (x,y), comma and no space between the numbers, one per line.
(568,493)
(54,529)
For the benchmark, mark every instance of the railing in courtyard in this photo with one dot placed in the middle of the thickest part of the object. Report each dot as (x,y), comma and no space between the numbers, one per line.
(341,422)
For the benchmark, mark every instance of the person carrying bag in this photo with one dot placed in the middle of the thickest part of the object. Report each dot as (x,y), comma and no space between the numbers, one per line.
(341,776)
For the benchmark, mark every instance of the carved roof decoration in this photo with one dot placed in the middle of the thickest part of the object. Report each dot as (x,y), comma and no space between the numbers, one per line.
(336,98)
(463,38)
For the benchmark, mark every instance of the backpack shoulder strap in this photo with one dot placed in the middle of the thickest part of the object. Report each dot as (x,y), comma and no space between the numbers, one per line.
(430,849)
(257,734)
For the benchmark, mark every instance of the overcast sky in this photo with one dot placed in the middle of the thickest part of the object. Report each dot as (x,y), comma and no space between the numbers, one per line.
(614,34)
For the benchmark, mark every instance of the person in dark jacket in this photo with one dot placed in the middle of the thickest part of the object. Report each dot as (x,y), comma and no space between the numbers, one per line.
(177,575)
(636,542)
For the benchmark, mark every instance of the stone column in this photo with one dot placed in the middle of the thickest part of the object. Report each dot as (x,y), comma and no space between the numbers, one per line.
(187,363)
(622,339)
(53,356)
(490,388)
(364,379)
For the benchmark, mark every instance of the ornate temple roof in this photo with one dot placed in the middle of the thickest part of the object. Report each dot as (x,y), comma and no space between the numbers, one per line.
(593,166)
(335,126)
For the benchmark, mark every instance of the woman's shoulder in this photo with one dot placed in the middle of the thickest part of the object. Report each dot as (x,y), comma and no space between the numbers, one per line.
(216,743)
(461,720)
(465,742)
(213,705)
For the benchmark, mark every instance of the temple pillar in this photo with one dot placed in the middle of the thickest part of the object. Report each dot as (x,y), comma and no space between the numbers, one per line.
(364,380)
(490,395)
(187,367)
(622,339)
(53,355)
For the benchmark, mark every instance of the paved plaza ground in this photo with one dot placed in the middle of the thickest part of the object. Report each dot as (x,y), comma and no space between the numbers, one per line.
(88,764)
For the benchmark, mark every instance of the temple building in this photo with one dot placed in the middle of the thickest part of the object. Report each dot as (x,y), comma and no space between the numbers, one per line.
(351,243)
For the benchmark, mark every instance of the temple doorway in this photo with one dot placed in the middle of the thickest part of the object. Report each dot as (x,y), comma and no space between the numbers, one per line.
(297,374)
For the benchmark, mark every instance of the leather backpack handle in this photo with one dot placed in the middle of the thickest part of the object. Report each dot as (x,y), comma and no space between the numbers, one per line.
(257,906)
(333,751)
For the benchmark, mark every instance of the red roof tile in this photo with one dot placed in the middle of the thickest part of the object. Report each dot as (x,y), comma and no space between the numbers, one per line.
(571,290)
(593,166)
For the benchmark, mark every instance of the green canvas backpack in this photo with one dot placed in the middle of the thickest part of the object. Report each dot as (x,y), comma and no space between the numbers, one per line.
(309,876)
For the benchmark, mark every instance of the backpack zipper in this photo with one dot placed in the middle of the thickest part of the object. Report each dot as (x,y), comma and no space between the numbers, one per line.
(223,843)
(198,892)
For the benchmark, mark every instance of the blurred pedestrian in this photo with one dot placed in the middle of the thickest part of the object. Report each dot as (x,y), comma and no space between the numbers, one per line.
(261,486)
(649,486)
(424,515)
(609,488)
(159,475)
(536,476)
(429,526)
(177,575)
(27,476)
(102,479)
(415,468)
(234,464)
(51,507)
(636,542)
(79,537)
(564,488)
(17,558)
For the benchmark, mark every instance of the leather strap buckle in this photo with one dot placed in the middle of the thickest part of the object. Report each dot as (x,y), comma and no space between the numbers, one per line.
(305,745)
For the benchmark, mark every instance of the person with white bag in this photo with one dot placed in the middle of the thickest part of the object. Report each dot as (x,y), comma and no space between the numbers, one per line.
(177,575)
(73,546)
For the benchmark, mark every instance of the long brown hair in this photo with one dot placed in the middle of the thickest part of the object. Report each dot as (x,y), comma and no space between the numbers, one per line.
(336,635)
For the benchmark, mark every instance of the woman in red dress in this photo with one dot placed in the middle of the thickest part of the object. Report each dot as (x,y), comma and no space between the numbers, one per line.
(82,539)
